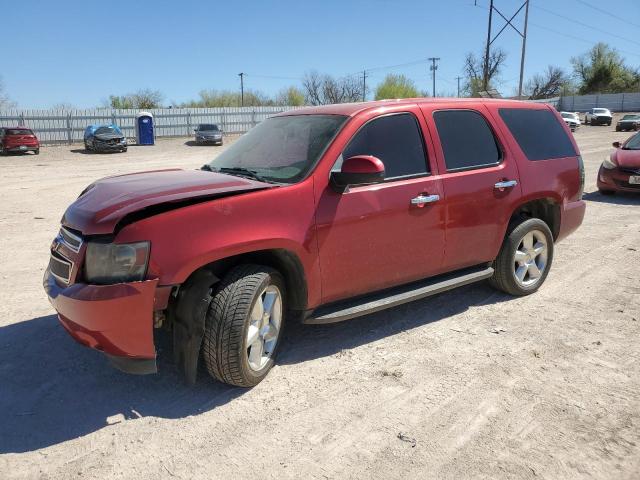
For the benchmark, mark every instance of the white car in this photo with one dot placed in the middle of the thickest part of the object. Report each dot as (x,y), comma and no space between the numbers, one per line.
(571,119)
(598,116)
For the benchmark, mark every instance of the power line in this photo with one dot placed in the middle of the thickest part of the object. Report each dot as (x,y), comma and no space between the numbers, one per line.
(612,15)
(591,27)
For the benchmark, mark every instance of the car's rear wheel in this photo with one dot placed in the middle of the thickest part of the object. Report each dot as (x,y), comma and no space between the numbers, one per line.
(244,325)
(525,258)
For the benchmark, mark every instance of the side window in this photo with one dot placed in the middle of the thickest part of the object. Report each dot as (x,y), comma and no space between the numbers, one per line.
(467,141)
(529,126)
(394,139)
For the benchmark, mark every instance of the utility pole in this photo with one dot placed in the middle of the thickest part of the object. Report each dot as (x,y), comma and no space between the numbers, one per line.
(241,75)
(458,79)
(433,69)
(364,85)
(485,72)
(524,45)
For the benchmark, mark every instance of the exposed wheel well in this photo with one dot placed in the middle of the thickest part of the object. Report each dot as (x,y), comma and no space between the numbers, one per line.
(284,261)
(545,209)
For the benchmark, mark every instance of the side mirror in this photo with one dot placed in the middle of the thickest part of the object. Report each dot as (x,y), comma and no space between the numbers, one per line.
(616,144)
(358,170)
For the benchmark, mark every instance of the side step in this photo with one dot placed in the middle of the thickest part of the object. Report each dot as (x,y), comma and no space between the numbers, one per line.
(375,302)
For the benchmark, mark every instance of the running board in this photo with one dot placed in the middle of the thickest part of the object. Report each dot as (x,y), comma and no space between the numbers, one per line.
(376,302)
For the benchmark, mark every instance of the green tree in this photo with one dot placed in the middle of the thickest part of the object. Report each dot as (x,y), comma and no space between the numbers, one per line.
(224,98)
(144,98)
(291,96)
(603,70)
(396,86)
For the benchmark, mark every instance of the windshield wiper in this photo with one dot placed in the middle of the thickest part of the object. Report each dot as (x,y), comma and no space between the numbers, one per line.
(239,171)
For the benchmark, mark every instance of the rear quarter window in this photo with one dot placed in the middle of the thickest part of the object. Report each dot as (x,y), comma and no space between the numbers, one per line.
(538,132)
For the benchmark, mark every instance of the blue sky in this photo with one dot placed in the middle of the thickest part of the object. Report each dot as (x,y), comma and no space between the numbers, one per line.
(79,53)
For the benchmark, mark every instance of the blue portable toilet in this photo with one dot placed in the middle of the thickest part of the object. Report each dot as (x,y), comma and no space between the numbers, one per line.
(144,129)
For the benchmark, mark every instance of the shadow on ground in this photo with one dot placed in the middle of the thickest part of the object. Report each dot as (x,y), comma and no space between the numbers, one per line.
(619,198)
(54,390)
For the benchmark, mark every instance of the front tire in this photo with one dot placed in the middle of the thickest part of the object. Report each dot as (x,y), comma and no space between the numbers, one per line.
(525,258)
(244,324)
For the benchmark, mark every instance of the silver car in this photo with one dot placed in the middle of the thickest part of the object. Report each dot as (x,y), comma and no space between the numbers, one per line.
(208,133)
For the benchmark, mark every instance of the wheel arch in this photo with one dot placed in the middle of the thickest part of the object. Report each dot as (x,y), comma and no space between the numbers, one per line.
(546,209)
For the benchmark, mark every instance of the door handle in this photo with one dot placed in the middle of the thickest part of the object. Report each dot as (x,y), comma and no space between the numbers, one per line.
(421,200)
(505,184)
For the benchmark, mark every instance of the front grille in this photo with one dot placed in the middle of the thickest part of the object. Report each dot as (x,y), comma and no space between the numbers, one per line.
(71,239)
(60,267)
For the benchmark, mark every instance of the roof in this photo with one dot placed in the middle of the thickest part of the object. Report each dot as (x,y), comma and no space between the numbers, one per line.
(351,109)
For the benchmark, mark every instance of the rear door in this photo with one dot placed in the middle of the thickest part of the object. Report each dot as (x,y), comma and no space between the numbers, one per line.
(480,182)
(373,236)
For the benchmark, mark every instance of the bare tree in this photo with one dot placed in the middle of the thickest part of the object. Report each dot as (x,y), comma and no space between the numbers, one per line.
(5,101)
(474,71)
(322,89)
(548,84)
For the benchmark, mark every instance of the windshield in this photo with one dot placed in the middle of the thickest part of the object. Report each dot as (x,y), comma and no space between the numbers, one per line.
(567,115)
(207,127)
(633,143)
(108,131)
(631,117)
(600,110)
(281,149)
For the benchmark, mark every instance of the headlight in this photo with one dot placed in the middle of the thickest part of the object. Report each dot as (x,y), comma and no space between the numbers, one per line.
(608,164)
(108,263)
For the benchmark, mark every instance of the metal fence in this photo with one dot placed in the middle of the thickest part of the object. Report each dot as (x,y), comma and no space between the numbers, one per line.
(617,102)
(67,126)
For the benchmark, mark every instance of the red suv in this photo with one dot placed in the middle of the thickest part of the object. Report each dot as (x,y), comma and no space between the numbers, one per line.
(18,139)
(320,215)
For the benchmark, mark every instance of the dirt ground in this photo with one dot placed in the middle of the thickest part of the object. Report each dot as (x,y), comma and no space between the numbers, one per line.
(467,384)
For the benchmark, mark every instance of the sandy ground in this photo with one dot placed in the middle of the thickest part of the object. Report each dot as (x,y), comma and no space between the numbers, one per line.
(468,384)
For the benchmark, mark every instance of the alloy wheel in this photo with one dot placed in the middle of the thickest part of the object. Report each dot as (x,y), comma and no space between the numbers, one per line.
(264,327)
(530,258)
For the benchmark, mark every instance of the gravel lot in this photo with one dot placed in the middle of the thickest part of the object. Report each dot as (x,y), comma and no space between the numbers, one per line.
(468,384)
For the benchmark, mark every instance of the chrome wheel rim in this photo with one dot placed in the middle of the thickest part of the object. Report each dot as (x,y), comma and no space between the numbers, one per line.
(530,258)
(264,327)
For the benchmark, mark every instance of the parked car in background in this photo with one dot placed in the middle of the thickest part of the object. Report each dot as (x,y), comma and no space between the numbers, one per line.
(104,138)
(620,171)
(628,122)
(598,116)
(571,119)
(18,139)
(316,215)
(208,133)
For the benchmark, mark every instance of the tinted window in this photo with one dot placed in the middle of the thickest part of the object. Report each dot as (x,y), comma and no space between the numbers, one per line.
(19,131)
(467,141)
(394,139)
(538,133)
(108,131)
(207,127)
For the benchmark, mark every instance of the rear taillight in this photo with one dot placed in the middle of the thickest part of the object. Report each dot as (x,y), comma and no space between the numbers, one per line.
(581,168)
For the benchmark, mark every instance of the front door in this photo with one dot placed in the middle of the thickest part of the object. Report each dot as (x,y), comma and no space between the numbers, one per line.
(373,237)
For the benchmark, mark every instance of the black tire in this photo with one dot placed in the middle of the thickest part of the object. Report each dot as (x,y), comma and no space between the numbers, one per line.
(37,151)
(618,129)
(124,150)
(606,192)
(504,277)
(227,321)
(608,124)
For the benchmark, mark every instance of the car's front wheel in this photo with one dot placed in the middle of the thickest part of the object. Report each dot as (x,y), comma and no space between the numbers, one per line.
(524,259)
(243,325)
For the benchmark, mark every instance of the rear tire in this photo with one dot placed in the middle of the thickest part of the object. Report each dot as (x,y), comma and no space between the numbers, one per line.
(37,151)
(244,324)
(525,258)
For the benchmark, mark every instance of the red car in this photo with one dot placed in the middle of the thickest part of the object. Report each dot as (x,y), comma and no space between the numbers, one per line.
(620,172)
(321,214)
(18,139)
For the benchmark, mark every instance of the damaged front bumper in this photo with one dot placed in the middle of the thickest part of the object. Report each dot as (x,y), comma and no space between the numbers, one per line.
(115,319)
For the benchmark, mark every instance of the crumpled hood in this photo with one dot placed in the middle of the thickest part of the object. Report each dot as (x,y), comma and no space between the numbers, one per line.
(627,158)
(107,201)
